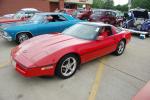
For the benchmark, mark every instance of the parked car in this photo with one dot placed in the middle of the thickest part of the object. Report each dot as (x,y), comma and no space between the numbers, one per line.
(40,23)
(119,18)
(103,15)
(83,14)
(8,16)
(22,15)
(62,53)
(68,11)
(138,20)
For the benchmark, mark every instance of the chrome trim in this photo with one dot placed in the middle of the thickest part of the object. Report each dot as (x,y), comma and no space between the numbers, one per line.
(9,38)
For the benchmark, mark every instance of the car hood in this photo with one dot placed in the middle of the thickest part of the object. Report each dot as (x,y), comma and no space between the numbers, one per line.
(12,24)
(17,26)
(43,45)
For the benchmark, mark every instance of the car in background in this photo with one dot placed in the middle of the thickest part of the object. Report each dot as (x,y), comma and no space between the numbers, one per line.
(119,18)
(67,11)
(40,23)
(7,16)
(61,54)
(83,14)
(138,21)
(103,15)
(22,15)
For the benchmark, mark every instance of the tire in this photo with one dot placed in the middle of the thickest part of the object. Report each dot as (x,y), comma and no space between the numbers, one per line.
(65,70)
(120,48)
(22,37)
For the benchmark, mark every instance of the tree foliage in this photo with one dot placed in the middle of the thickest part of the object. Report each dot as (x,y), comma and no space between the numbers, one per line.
(103,4)
(109,4)
(123,8)
(145,4)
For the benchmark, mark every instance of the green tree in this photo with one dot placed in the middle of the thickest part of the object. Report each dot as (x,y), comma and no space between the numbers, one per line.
(103,4)
(141,3)
(123,8)
(108,4)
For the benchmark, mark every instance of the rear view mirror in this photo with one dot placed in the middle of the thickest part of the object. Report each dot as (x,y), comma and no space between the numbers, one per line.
(100,38)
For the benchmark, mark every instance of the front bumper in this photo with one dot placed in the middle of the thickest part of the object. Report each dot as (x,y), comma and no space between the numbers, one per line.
(9,38)
(5,36)
(35,71)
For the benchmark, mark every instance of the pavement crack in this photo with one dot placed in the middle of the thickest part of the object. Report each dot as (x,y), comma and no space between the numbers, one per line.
(123,72)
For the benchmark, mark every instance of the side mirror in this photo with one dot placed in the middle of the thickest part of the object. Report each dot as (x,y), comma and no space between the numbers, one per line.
(99,38)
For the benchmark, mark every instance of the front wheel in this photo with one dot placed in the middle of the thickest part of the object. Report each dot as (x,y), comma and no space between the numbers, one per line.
(120,48)
(22,37)
(67,66)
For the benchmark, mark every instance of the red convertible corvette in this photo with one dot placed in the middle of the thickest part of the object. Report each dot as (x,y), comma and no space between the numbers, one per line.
(61,54)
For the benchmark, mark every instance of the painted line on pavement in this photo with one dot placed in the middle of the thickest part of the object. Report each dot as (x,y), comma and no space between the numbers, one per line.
(97,80)
(4,64)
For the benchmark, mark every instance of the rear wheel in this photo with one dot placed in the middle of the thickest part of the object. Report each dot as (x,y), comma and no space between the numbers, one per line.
(67,66)
(120,48)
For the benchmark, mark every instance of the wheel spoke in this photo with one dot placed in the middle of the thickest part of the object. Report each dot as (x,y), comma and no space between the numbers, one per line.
(66,71)
(121,47)
(68,66)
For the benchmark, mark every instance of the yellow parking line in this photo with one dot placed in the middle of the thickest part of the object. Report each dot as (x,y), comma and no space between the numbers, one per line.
(4,64)
(97,80)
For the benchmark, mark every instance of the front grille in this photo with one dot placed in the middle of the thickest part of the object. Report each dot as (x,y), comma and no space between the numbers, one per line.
(1,33)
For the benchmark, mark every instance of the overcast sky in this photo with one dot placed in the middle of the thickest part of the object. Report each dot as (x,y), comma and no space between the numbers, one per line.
(121,2)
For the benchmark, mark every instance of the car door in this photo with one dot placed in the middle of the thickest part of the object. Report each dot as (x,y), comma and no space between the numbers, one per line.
(49,26)
(108,43)
(98,48)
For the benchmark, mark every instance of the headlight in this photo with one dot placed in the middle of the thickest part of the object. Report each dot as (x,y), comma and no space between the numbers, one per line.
(5,33)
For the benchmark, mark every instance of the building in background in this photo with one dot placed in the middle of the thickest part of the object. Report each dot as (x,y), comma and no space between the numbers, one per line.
(11,6)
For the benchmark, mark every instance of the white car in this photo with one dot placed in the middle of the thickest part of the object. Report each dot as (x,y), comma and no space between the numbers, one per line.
(21,12)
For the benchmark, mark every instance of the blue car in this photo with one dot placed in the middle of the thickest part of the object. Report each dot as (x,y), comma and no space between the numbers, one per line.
(40,23)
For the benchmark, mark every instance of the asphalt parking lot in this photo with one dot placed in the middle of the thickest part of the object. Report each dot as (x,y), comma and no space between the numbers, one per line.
(107,78)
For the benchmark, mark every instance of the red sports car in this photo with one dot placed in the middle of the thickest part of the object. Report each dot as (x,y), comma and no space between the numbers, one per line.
(61,54)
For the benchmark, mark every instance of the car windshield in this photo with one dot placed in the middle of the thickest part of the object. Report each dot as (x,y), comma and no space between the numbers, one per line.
(140,14)
(83,31)
(19,15)
(38,19)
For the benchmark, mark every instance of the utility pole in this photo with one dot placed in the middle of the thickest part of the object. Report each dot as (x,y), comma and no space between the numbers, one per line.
(129,4)
(61,4)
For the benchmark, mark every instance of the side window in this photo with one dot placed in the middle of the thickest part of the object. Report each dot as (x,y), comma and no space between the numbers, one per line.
(28,14)
(50,18)
(58,18)
(62,18)
(107,13)
(116,30)
(106,31)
